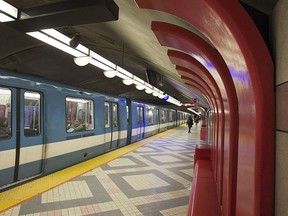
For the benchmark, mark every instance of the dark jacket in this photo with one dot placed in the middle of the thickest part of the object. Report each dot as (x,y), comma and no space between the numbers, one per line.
(189,122)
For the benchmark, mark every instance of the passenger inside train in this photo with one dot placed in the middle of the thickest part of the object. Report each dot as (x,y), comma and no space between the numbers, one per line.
(4,129)
(76,127)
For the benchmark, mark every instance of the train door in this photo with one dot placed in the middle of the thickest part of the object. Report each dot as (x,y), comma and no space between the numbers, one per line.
(21,136)
(140,122)
(111,125)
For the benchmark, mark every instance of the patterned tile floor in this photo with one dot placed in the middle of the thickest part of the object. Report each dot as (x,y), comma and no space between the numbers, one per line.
(152,180)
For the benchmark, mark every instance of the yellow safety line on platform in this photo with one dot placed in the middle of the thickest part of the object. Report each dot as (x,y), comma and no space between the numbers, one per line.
(17,195)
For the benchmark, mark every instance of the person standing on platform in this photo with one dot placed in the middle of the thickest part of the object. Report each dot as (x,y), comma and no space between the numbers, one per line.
(189,123)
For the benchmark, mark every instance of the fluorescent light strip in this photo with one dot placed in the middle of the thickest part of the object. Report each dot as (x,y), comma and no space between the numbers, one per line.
(148,86)
(126,73)
(122,76)
(55,43)
(103,60)
(59,36)
(84,49)
(193,111)
(99,65)
(8,9)
(139,81)
(5,18)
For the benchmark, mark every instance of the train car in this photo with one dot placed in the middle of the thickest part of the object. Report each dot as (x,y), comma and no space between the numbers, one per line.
(181,117)
(47,126)
(148,119)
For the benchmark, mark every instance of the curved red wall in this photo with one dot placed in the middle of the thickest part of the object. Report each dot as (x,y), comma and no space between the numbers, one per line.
(248,148)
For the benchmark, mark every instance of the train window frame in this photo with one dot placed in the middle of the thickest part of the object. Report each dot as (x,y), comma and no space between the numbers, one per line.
(83,116)
(33,128)
(6,130)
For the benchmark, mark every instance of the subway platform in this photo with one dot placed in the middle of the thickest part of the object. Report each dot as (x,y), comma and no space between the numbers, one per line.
(150,177)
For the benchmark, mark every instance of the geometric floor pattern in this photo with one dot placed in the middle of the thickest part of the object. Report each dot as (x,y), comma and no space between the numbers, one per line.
(152,180)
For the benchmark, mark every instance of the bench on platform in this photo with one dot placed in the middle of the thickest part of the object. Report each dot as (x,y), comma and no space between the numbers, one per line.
(203,199)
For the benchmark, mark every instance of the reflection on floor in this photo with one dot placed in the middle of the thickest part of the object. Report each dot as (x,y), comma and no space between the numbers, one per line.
(154,179)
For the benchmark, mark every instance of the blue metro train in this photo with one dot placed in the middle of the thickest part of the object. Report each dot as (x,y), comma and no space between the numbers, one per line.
(47,126)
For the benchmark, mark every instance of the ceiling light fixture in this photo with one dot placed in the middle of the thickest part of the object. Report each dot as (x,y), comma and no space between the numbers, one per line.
(155,93)
(190,109)
(148,91)
(173,101)
(148,88)
(83,60)
(128,81)
(140,87)
(111,73)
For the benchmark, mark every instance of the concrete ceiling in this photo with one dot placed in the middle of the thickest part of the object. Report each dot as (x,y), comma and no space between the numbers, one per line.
(127,42)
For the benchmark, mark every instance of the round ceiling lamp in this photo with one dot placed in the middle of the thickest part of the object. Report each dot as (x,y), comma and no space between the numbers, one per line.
(140,87)
(110,73)
(148,91)
(128,81)
(82,60)
(155,93)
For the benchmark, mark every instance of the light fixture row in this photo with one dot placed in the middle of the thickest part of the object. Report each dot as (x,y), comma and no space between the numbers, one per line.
(129,79)
(83,56)
(190,109)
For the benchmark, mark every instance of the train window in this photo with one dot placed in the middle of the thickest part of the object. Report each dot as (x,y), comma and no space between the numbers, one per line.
(127,112)
(79,114)
(32,113)
(140,115)
(163,117)
(5,113)
(107,116)
(150,115)
(171,116)
(115,115)
(157,116)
